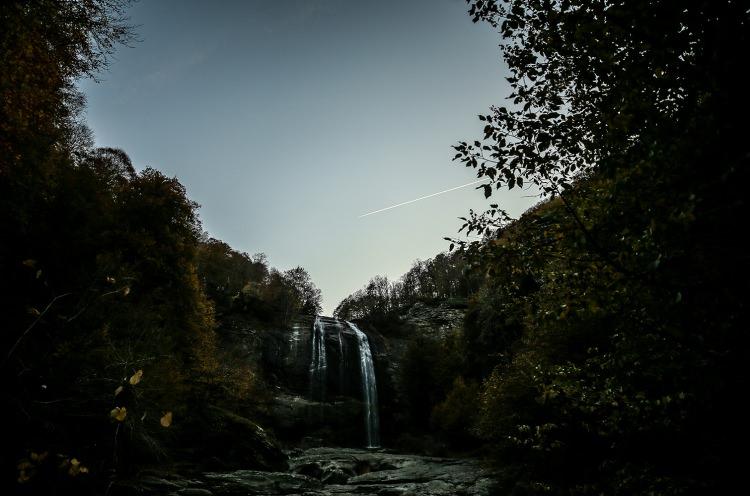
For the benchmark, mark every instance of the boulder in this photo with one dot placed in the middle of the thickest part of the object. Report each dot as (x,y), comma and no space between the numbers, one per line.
(251,482)
(338,421)
(222,440)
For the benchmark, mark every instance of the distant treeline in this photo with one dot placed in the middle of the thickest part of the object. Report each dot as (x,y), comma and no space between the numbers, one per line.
(446,276)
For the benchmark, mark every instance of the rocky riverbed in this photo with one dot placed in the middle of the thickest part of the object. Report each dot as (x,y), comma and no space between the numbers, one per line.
(329,471)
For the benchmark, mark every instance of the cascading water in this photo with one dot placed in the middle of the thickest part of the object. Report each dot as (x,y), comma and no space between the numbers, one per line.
(319,370)
(293,344)
(343,365)
(318,364)
(369,388)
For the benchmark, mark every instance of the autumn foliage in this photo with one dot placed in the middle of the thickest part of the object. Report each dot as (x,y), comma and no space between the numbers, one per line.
(109,340)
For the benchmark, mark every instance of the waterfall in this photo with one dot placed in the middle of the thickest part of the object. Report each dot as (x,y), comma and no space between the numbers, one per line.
(342,359)
(318,364)
(319,371)
(369,388)
(293,344)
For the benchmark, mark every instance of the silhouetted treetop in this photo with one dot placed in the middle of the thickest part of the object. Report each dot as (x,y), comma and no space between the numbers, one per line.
(604,84)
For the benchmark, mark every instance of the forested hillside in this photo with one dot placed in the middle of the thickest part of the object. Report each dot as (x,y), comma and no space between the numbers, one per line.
(110,289)
(603,349)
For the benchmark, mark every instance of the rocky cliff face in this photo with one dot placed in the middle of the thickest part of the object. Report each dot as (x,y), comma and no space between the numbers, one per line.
(434,321)
(309,418)
(301,411)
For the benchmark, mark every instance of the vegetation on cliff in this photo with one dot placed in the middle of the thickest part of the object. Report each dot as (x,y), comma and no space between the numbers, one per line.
(443,277)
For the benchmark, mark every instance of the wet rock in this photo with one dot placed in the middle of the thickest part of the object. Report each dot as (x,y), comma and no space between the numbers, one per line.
(193,491)
(384,473)
(251,482)
(153,483)
(335,471)
(335,476)
(312,469)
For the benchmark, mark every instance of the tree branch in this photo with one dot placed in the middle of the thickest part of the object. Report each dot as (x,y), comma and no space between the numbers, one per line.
(33,324)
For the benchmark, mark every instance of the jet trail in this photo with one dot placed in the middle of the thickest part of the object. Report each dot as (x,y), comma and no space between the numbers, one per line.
(422,198)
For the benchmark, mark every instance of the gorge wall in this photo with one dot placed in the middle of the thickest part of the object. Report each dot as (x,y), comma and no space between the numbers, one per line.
(320,391)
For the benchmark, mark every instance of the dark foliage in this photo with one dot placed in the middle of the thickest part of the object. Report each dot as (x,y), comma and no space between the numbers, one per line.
(108,345)
(238,283)
(610,329)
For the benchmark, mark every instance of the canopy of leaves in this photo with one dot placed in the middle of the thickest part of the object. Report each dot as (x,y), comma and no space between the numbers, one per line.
(605,85)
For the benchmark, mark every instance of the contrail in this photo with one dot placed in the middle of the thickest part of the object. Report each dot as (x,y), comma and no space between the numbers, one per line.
(422,198)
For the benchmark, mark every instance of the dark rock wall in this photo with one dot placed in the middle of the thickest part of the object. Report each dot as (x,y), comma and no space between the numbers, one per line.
(436,321)
(283,357)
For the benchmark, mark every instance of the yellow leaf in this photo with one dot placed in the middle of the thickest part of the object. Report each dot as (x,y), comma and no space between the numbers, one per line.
(111,280)
(33,311)
(29,262)
(136,378)
(76,468)
(118,390)
(23,477)
(125,291)
(166,420)
(119,413)
(39,457)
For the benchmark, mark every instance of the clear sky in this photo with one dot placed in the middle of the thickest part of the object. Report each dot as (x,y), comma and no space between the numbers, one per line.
(287,120)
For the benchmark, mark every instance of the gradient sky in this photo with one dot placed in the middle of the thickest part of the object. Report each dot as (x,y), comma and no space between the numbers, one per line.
(287,120)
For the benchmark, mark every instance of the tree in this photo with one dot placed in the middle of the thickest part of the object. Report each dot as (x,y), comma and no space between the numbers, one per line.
(46,46)
(225,273)
(609,330)
(605,85)
(307,297)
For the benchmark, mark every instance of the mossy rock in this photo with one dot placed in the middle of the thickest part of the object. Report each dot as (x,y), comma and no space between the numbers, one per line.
(222,440)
